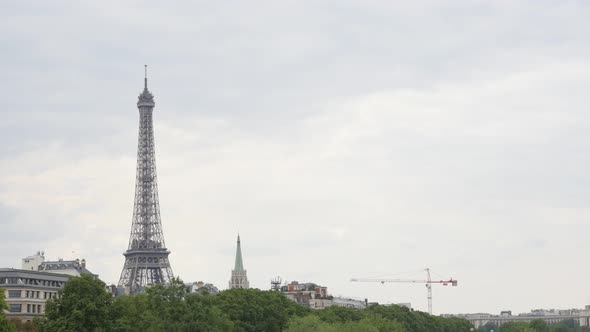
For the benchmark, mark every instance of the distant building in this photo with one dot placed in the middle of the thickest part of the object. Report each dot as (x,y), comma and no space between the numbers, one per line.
(584,316)
(551,316)
(402,304)
(32,263)
(307,294)
(202,288)
(405,305)
(306,288)
(28,289)
(239,278)
(74,268)
(315,296)
(349,303)
(115,291)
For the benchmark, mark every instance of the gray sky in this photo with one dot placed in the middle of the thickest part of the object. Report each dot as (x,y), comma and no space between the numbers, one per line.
(340,138)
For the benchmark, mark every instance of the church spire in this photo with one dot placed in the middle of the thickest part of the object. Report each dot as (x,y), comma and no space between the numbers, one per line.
(239,266)
(239,278)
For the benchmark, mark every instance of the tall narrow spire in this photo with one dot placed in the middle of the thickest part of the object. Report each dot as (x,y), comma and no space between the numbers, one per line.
(239,278)
(145,79)
(239,266)
(145,98)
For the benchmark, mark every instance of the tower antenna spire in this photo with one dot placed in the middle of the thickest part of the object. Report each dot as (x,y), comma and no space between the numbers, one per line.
(145,79)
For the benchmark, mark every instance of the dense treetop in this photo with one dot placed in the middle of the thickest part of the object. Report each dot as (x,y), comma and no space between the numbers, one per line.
(536,325)
(84,305)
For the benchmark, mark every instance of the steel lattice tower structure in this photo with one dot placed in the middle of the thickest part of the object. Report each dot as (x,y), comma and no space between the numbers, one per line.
(146,259)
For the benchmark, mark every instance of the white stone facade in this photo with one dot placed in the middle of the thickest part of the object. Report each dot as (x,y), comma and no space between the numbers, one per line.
(27,291)
(239,279)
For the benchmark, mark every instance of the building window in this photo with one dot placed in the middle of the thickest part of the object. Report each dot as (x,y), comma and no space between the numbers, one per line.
(15,307)
(28,308)
(14,293)
(9,281)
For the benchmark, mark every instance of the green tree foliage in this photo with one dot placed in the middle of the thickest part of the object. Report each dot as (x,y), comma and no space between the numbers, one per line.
(169,308)
(488,327)
(382,324)
(343,319)
(417,321)
(82,305)
(255,310)
(5,324)
(313,323)
(132,313)
(539,325)
(308,324)
(340,315)
(516,327)
(569,325)
(21,326)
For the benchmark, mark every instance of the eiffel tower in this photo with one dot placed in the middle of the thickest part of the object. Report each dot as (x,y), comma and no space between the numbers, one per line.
(146,259)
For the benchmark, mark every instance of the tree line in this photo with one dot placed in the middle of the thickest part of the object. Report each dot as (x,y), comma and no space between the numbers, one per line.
(536,325)
(85,305)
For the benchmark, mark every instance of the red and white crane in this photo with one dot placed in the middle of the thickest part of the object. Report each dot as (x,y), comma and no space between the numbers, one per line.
(428,283)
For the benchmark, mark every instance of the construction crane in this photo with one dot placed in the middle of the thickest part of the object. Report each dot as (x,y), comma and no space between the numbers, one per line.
(428,283)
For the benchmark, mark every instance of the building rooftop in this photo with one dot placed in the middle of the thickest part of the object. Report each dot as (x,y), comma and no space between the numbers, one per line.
(6,272)
(65,265)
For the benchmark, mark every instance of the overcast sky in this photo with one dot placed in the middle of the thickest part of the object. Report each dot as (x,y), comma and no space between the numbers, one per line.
(339,138)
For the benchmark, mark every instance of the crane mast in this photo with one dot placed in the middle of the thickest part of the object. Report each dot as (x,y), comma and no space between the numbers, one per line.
(428,282)
(429,287)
